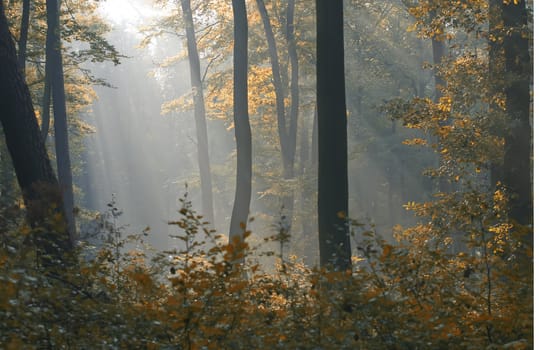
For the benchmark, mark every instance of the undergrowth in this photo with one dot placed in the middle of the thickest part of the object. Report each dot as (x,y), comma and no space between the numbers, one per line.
(414,294)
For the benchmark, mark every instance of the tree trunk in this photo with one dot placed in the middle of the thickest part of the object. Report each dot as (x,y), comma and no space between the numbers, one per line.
(303,161)
(63,162)
(276,73)
(333,230)
(242,128)
(290,149)
(200,113)
(516,164)
(46,105)
(314,140)
(287,134)
(294,85)
(23,38)
(30,159)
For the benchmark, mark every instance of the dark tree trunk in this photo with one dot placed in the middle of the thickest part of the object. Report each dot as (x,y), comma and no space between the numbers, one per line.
(63,161)
(200,113)
(30,159)
(23,38)
(333,230)
(516,164)
(242,128)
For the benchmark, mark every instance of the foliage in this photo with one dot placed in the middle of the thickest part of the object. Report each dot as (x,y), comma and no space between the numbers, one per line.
(415,294)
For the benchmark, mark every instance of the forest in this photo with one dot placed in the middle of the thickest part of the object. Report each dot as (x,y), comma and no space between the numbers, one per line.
(266,174)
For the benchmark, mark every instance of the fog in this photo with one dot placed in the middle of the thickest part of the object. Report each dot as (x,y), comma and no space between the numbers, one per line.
(141,157)
(146,160)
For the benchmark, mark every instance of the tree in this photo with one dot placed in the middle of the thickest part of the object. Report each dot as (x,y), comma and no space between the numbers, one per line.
(23,37)
(517,158)
(200,113)
(509,76)
(333,231)
(30,159)
(287,123)
(63,161)
(242,128)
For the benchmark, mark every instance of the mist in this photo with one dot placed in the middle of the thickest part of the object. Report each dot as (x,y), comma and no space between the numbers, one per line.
(144,153)
(144,159)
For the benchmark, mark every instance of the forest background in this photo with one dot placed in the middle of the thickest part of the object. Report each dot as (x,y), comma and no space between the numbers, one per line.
(433,245)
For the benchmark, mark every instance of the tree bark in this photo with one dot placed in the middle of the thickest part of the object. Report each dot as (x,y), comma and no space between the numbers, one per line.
(32,166)
(242,128)
(63,161)
(334,239)
(23,38)
(200,113)
(517,159)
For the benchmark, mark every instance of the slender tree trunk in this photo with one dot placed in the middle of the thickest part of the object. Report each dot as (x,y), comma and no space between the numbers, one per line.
(287,133)
(200,113)
(23,38)
(308,166)
(314,140)
(276,73)
(294,85)
(517,159)
(30,159)
(333,231)
(63,161)
(303,164)
(242,128)
(46,105)
(291,140)
(308,171)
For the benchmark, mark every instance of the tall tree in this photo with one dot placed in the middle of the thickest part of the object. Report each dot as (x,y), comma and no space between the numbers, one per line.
(333,232)
(200,113)
(63,161)
(242,127)
(517,158)
(28,153)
